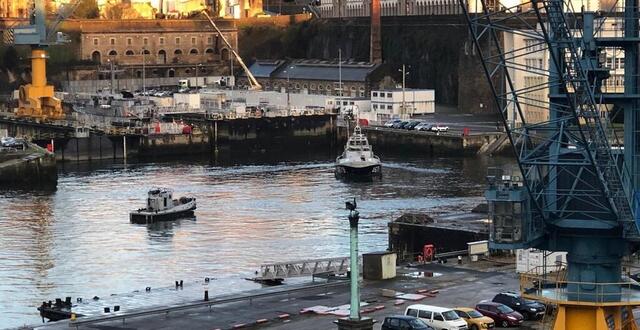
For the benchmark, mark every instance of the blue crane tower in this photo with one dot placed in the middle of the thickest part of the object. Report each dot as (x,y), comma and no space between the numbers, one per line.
(561,100)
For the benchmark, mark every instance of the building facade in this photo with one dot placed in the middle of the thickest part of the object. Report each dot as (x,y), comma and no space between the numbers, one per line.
(167,48)
(14,8)
(396,103)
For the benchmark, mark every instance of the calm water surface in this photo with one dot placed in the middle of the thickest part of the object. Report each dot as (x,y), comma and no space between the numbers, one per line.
(77,241)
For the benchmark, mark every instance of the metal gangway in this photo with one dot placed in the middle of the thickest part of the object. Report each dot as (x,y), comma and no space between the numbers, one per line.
(278,271)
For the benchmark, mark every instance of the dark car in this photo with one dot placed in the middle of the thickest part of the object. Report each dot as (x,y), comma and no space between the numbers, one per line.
(412,124)
(404,322)
(401,124)
(529,309)
(503,315)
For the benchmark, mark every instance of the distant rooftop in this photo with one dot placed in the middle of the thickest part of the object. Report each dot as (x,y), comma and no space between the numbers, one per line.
(148,25)
(313,70)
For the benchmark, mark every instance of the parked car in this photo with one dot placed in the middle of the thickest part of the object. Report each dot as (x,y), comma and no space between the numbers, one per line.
(10,142)
(440,128)
(400,124)
(475,320)
(439,318)
(529,309)
(423,127)
(392,122)
(412,125)
(403,322)
(501,314)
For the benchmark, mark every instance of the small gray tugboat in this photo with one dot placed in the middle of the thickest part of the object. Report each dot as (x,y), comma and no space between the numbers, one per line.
(358,159)
(161,206)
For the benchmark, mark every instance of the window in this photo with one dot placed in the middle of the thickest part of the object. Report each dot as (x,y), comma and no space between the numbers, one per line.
(374,94)
(389,107)
(112,41)
(424,315)
(313,87)
(145,41)
(161,40)
(177,52)
(146,52)
(375,107)
(129,53)
(438,317)
(113,53)
(412,312)
(532,45)
(193,40)
(128,41)
(95,41)
(389,95)
(533,63)
(209,40)
(394,322)
(177,40)
(462,314)
(193,52)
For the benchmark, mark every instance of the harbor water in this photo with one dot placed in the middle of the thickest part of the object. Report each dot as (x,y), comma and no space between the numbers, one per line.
(77,241)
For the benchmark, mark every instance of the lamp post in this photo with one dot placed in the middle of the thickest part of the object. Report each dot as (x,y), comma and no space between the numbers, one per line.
(288,87)
(197,68)
(354,321)
(144,61)
(404,76)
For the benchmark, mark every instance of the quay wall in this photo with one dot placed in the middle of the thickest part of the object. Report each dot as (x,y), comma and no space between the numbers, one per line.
(36,172)
(247,134)
(424,142)
(408,239)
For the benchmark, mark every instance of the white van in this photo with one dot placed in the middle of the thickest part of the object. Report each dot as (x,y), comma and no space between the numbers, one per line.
(439,318)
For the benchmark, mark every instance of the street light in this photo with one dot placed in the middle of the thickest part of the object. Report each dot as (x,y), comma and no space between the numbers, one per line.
(404,75)
(144,61)
(196,69)
(288,97)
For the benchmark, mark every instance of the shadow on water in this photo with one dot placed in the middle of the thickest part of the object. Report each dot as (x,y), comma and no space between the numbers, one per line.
(164,230)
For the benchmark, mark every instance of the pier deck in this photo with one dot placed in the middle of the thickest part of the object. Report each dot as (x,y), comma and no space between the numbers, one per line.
(457,286)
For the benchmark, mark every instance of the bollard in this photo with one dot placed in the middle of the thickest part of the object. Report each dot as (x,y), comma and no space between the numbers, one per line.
(206,295)
(177,284)
(147,289)
(206,280)
(67,301)
(73,316)
(116,308)
(79,300)
(181,283)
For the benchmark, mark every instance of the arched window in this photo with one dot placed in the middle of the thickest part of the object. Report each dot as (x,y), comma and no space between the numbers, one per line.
(187,71)
(138,74)
(177,52)
(129,53)
(96,57)
(209,51)
(146,52)
(193,51)
(113,53)
(162,56)
(171,73)
(225,54)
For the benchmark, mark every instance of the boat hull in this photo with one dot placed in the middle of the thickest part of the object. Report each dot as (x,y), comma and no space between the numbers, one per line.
(145,217)
(359,171)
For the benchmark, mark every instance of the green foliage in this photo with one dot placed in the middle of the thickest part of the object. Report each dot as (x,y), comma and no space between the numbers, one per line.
(87,9)
(10,59)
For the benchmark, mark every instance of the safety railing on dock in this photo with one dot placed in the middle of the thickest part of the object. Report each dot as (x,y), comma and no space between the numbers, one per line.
(554,290)
(202,304)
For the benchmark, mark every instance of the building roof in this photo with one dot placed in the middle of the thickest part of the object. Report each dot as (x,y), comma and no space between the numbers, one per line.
(313,70)
(148,25)
(264,68)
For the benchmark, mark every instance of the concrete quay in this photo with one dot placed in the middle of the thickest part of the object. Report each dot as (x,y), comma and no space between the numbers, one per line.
(456,285)
(29,168)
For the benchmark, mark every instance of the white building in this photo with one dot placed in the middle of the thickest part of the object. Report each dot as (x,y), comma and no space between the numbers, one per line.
(539,262)
(395,103)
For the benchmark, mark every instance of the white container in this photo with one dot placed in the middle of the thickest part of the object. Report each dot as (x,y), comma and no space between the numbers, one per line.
(533,261)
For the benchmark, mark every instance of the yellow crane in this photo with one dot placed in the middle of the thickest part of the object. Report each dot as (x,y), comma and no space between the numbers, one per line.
(37,100)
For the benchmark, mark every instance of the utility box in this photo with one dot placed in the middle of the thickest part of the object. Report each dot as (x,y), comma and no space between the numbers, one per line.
(379,265)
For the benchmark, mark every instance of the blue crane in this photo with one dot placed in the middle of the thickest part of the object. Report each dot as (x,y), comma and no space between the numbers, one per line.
(574,191)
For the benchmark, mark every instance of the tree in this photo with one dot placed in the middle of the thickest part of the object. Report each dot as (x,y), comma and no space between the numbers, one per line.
(87,9)
(10,59)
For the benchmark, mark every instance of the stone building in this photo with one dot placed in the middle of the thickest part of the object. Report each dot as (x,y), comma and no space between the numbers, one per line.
(14,8)
(316,76)
(168,47)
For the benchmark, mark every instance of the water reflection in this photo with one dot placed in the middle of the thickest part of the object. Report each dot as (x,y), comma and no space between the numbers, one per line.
(163,231)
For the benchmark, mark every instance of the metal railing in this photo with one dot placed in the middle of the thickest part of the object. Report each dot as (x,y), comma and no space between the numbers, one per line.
(545,288)
(188,306)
